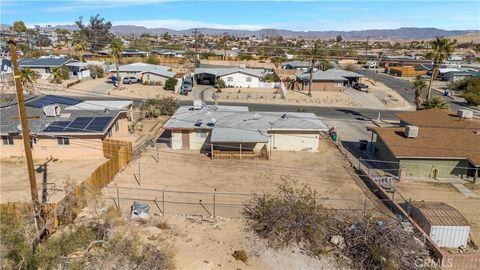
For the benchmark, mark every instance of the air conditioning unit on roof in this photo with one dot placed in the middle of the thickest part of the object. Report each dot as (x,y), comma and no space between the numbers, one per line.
(411,131)
(52,110)
(462,113)
(197,104)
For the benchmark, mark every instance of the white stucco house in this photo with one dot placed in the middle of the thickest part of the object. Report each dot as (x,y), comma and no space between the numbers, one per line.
(233,77)
(145,72)
(234,130)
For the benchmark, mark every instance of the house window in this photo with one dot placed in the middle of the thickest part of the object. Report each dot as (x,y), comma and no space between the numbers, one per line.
(249,79)
(229,79)
(338,83)
(201,134)
(63,141)
(7,140)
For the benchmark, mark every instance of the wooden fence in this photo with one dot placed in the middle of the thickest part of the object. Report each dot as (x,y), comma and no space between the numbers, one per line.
(119,153)
(238,155)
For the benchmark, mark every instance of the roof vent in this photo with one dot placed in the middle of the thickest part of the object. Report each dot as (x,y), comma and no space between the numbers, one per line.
(284,116)
(411,131)
(197,104)
(212,123)
(52,110)
(466,114)
(199,122)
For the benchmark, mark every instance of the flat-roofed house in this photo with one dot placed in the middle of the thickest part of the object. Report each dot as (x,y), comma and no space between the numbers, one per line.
(65,128)
(234,129)
(233,77)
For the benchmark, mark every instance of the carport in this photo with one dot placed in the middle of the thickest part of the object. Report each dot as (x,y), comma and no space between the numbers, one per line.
(205,78)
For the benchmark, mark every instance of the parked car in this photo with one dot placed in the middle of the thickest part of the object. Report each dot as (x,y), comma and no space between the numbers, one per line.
(360,87)
(130,80)
(186,86)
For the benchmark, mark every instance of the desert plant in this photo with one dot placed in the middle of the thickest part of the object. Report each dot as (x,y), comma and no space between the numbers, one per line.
(28,76)
(442,48)
(116,53)
(435,103)
(155,107)
(472,91)
(240,255)
(419,85)
(60,74)
(170,84)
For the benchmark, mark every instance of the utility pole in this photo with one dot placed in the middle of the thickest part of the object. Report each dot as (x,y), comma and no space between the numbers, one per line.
(26,135)
(196,47)
(366,47)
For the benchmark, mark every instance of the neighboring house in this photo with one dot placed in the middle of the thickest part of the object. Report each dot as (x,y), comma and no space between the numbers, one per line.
(169,53)
(6,74)
(407,71)
(299,65)
(134,53)
(430,144)
(329,80)
(63,127)
(146,72)
(44,65)
(453,76)
(233,130)
(445,225)
(233,77)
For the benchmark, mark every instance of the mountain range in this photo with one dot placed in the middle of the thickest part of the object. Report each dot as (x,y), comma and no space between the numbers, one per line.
(403,33)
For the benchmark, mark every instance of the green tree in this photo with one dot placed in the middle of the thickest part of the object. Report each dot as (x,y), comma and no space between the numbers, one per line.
(19,27)
(419,86)
(472,91)
(442,48)
(223,44)
(170,84)
(44,41)
(97,32)
(435,103)
(28,76)
(339,38)
(60,74)
(316,57)
(277,61)
(79,44)
(116,53)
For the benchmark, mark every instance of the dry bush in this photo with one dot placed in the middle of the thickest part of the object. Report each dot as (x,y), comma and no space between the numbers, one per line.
(240,255)
(291,216)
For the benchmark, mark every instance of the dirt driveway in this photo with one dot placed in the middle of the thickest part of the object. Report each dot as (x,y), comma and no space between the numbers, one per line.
(188,177)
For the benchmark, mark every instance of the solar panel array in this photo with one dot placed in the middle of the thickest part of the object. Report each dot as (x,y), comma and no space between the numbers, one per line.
(80,124)
(48,100)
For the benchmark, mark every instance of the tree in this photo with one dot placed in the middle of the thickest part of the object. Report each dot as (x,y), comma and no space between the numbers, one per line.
(223,42)
(60,74)
(28,76)
(435,103)
(116,53)
(44,41)
(316,57)
(79,44)
(277,61)
(472,91)
(442,48)
(97,32)
(419,86)
(62,34)
(19,27)
(170,84)
(153,108)
(339,38)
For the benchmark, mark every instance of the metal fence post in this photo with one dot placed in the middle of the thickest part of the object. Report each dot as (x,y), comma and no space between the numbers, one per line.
(214,212)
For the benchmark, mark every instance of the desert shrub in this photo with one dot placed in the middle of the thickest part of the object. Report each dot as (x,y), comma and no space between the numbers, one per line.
(271,77)
(60,74)
(240,255)
(435,103)
(146,82)
(155,107)
(170,84)
(472,91)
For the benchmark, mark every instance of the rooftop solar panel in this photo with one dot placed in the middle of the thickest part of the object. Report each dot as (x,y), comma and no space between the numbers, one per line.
(99,123)
(47,100)
(57,126)
(79,124)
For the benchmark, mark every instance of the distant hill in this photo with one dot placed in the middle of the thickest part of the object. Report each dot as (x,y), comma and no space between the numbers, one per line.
(404,33)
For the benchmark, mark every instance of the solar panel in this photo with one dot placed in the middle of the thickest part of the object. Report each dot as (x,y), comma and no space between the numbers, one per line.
(99,123)
(57,126)
(47,100)
(79,124)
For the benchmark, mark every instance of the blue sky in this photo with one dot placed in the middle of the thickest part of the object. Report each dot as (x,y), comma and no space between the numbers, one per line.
(294,15)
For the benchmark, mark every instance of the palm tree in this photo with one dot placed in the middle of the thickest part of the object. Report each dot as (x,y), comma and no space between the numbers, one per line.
(28,76)
(419,85)
(435,103)
(223,42)
(116,53)
(79,44)
(442,48)
(317,58)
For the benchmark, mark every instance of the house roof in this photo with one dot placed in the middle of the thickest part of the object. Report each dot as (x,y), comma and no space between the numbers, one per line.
(440,214)
(297,64)
(139,67)
(43,62)
(219,72)
(440,136)
(98,120)
(161,72)
(344,73)
(101,105)
(240,125)
(322,76)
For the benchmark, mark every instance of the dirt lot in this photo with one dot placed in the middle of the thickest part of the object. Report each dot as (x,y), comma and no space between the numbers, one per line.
(189,177)
(14,185)
(445,192)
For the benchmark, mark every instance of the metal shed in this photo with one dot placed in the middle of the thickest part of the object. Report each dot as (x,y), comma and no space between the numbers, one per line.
(445,224)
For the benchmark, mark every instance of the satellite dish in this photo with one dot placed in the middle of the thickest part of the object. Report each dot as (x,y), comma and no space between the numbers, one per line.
(19,127)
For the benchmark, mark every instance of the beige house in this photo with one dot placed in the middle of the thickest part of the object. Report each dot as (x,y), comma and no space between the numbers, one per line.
(65,128)
(329,80)
(160,76)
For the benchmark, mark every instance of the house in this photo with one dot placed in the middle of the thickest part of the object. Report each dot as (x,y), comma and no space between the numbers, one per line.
(169,53)
(43,66)
(407,71)
(445,225)
(298,65)
(6,74)
(233,77)
(234,130)
(64,128)
(430,144)
(329,80)
(134,53)
(145,72)
(454,76)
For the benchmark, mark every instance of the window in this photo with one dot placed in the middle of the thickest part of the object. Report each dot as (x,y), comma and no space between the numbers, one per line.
(338,84)
(229,79)
(7,140)
(201,134)
(249,79)
(63,141)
